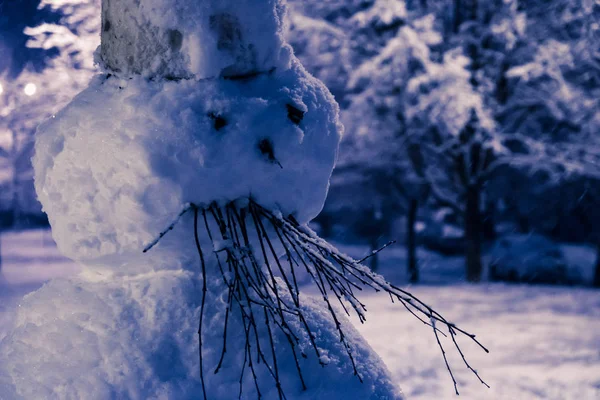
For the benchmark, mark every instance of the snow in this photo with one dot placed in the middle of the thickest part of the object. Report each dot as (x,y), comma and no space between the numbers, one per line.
(444,96)
(323,49)
(582,258)
(188,38)
(136,337)
(202,106)
(535,258)
(544,340)
(36,256)
(381,15)
(116,165)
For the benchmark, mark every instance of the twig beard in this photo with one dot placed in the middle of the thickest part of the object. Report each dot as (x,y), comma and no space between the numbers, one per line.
(264,288)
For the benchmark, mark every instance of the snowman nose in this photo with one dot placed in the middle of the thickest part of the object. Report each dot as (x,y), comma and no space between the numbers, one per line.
(266,148)
(219,121)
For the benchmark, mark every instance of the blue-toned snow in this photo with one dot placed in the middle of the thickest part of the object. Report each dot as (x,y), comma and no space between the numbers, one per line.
(544,340)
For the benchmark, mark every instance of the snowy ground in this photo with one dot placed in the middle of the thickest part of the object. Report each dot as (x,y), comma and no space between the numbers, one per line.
(544,341)
(28,260)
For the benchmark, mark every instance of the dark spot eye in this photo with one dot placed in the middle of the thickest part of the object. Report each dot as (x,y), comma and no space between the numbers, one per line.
(266,148)
(175,39)
(219,121)
(228,30)
(107,25)
(295,114)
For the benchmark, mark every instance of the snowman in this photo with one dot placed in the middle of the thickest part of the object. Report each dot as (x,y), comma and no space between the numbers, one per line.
(182,180)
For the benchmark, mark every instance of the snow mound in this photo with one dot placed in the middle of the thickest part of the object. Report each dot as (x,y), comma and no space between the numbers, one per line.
(191,38)
(534,258)
(117,164)
(136,338)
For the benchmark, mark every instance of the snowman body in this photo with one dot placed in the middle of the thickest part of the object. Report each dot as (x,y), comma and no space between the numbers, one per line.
(136,338)
(115,167)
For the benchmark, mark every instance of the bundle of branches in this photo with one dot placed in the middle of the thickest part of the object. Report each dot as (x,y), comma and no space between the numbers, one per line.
(248,241)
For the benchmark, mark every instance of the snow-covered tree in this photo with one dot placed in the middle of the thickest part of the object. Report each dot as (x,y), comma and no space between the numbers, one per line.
(533,67)
(453,133)
(375,143)
(324,50)
(45,59)
(542,102)
(334,38)
(553,188)
(65,43)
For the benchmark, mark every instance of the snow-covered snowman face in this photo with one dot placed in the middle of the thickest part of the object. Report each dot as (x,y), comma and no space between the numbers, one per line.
(118,163)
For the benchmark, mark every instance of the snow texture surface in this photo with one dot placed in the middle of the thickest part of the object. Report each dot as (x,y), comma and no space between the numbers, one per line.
(118,163)
(96,337)
(136,338)
(190,38)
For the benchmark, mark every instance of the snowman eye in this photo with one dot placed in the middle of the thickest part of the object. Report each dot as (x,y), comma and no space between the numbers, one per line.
(229,33)
(175,39)
(294,114)
(219,121)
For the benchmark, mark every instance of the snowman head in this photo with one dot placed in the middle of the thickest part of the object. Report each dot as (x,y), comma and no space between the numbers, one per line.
(118,163)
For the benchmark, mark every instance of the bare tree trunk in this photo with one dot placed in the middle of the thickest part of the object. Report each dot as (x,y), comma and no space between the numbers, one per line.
(457,21)
(474,10)
(473,233)
(597,272)
(15,208)
(502,83)
(464,10)
(488,224)
(411,242)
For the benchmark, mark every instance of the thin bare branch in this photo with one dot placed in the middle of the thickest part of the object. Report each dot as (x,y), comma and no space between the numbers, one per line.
(259,282)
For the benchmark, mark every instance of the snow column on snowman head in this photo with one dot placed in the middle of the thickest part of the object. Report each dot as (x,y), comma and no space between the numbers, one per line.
(199,39)
(203,102)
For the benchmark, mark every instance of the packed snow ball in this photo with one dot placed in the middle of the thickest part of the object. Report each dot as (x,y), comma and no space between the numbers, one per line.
(116,165)
(136,338)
